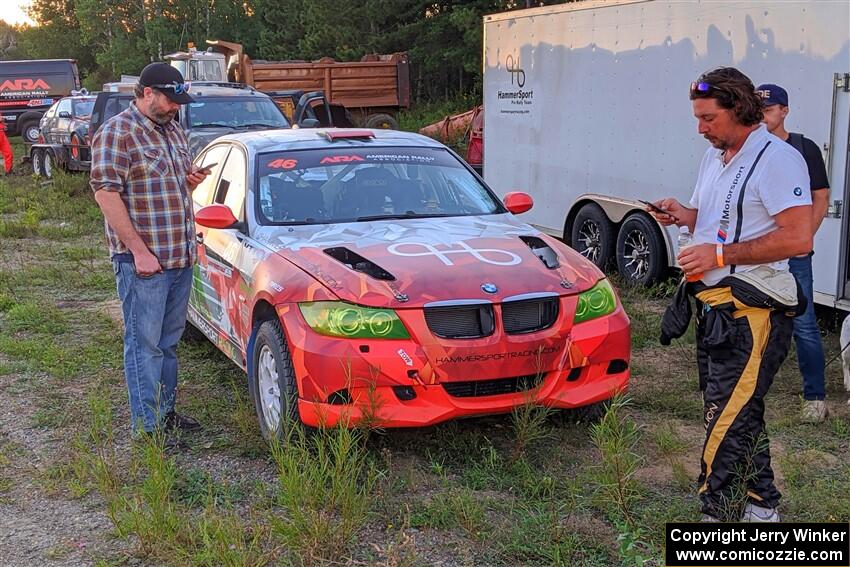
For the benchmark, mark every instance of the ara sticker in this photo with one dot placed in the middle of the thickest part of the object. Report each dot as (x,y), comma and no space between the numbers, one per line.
(341,159)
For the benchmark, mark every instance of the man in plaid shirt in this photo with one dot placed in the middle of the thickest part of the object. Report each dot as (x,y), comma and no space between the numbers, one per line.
(142,175)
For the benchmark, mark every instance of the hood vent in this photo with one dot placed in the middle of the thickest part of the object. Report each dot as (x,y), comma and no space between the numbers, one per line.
(358,263)
(542,251)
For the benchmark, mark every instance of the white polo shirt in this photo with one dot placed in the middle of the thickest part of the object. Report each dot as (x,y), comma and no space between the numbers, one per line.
(737,201)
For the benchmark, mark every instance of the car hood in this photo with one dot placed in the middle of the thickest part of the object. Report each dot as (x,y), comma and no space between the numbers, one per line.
(412,262)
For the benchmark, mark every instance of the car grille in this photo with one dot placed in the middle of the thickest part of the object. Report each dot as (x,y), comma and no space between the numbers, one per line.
(529,315)
(460,322)
(479,388)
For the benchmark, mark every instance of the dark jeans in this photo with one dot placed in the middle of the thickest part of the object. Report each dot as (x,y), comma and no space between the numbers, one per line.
(807,334)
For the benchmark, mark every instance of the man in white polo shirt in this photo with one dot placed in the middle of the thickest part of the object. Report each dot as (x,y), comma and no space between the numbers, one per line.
(751,208)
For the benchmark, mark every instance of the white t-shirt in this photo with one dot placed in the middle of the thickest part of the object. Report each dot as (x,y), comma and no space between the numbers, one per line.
(772,175)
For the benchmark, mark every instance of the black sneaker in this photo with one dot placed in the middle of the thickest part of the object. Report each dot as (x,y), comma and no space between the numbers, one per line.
(181,422)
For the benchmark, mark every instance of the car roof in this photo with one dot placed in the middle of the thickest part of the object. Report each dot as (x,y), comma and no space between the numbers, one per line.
(314,138)
(214,90)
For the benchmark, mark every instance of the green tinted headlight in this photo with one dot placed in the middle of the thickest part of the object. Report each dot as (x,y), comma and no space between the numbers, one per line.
(595,302)
(338,319)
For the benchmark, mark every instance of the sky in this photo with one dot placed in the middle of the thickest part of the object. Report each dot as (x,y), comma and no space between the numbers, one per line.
(14,11)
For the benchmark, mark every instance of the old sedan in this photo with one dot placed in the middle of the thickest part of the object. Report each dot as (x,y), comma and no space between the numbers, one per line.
(372,275)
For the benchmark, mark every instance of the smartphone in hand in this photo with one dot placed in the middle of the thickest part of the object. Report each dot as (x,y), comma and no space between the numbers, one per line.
(658,209)
(207,169)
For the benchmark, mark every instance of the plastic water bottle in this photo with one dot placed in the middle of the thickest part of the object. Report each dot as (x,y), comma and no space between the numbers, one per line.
(687,239)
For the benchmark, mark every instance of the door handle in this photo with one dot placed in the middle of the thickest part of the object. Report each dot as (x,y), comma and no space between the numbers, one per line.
(199,237)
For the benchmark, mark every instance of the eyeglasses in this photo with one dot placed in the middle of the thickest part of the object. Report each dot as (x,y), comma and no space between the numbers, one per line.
(178,88)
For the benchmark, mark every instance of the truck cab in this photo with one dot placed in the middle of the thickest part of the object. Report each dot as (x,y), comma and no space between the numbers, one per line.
(197,65)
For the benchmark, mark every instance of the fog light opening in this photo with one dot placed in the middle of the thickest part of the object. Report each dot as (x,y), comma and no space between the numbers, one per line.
(617,366)
(404,393)
(575,374)
(340,397)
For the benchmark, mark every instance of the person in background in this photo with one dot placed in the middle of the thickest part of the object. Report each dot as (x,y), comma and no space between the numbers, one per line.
(810,355)
(6,148)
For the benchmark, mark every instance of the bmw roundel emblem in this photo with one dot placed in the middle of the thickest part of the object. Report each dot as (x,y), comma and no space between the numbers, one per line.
(489,288)
(798,192)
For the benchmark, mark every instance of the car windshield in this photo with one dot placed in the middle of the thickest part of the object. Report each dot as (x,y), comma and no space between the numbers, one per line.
(83,107)
(235,112)
(362,184)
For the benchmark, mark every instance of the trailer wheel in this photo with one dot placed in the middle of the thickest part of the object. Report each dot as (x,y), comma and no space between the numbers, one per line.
(593,236)
(37,159)
(30,131)
(641,254)
(381,122)
(48,165)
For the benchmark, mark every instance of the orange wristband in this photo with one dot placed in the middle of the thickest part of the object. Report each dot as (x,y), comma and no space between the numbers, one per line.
(719,255)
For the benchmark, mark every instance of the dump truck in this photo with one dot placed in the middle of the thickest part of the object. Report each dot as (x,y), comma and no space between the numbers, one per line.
(587,110)
(373,89)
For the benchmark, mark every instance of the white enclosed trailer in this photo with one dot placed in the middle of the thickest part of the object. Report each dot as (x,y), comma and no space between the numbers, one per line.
(586,108)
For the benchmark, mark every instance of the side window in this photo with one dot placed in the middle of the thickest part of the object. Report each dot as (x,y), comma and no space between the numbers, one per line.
(51,112)
(64,105)
(202,194)
(230,190)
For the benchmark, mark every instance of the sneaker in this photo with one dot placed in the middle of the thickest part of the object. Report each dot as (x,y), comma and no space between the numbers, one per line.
(708,518)
(814,411)
(182,422)
(753,513)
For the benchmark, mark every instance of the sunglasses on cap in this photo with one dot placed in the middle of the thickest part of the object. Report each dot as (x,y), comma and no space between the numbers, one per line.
(178,88)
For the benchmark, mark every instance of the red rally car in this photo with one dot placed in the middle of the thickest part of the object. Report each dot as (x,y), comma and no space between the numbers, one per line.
(372,275)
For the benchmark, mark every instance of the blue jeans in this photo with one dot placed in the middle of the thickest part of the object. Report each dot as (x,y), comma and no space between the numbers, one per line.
(807,334)
(154,311)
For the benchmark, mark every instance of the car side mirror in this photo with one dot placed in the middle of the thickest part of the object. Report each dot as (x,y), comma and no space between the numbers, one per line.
(310,123)
(518,202)
(216,216)
(64,114)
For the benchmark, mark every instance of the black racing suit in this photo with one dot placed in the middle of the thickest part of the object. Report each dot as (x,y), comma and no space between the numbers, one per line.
(739,350)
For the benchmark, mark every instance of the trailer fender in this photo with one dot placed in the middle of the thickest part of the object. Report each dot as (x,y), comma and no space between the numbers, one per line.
(616,209)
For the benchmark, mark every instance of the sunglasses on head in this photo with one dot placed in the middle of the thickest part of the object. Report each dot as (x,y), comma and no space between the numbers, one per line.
(701,87)
(178,88)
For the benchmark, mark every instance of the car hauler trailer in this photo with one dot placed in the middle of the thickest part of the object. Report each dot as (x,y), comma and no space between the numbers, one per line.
(587,109)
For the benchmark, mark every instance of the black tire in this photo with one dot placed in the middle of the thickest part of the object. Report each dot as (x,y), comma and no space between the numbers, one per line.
(271,342)
(37,159)
(641,254)
(593,236)
(381,122)
(30,131)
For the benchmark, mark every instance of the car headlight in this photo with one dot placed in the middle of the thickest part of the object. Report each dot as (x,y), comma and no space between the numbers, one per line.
(597,301)
(338,319)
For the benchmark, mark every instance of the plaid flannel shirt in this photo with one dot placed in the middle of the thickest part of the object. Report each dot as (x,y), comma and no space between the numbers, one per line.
(147,165)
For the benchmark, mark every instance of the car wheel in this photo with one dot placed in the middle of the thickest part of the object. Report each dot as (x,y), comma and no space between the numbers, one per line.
(641,254)
(272,382)
(37,159)
(381,122)
(48,165)
(593,235)
(30,131)
(75,150)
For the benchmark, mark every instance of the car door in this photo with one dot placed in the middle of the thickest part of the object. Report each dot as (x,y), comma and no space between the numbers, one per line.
(205,308)
(61,123)
(47,120)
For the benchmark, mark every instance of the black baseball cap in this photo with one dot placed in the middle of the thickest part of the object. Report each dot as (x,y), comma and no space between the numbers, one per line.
(167,80)
(772,94)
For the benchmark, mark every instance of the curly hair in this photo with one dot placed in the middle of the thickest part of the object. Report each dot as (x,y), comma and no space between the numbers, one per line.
(733,91)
